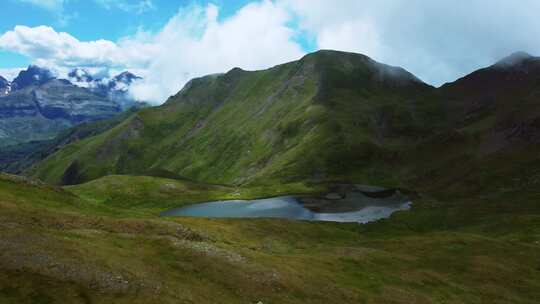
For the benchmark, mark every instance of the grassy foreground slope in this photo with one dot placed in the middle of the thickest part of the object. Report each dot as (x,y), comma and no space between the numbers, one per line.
(330,115)
(57,247)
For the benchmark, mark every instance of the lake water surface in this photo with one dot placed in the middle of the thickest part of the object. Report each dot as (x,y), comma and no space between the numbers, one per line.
(290,207)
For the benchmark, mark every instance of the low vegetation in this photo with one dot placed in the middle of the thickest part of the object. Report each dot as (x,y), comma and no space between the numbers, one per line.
(102,242)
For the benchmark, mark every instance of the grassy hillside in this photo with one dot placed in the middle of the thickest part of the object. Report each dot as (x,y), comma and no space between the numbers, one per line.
(58,247)
(490,142)
(328,116)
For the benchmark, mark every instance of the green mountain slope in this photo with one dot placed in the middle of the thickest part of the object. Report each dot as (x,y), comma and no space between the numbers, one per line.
(330,115)
(491,138)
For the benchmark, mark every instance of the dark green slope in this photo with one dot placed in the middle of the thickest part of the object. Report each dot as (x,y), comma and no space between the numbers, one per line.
(330,115)
(491,141)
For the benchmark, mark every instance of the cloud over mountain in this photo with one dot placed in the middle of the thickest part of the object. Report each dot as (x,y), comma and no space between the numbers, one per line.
(437,40)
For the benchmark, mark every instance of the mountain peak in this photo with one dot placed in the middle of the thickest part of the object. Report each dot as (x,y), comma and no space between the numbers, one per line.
(80,75)
(514,59)
(126,77)
(372,70)
(33,75)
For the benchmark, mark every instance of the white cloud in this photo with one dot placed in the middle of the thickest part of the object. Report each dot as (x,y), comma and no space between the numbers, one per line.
(437,40)
(138,7)
(195,43)
(10,73)
(50,48)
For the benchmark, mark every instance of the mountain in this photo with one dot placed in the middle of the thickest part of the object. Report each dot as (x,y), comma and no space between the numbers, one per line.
(80,76)
(491,130)
(39,106)
(515,77)
(115,89)
(330,115)
(123,80)
(33,76)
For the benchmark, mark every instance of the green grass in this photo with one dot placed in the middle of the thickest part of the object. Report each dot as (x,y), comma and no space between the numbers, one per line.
(64,247)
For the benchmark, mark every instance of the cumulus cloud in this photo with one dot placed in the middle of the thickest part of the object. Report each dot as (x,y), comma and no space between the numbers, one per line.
(50,48)
(437,40)
(195,43)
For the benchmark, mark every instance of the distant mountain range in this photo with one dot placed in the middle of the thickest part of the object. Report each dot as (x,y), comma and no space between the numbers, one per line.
(37,106)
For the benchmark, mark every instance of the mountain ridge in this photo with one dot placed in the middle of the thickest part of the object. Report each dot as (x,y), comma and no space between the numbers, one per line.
(288,109)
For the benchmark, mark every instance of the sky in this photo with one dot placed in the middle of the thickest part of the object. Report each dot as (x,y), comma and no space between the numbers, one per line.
(169,42)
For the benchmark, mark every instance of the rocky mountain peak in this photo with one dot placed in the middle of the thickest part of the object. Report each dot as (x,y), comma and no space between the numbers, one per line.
(33,75)
(126,77)
(80,75)
(122,81)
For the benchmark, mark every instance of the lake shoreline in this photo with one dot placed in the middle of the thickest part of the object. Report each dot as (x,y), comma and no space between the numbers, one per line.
(352,205)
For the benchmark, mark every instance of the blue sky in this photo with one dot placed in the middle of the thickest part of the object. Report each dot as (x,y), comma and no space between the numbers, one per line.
(169,42)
